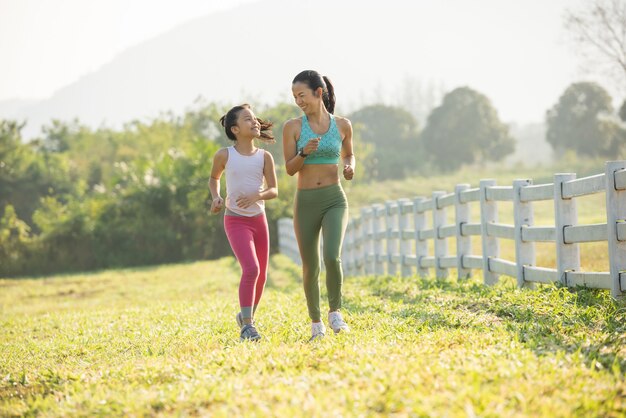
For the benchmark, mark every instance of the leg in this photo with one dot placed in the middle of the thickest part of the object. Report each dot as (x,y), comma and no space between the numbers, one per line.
(240,236)
(307,225)
(262,245)
(333,229)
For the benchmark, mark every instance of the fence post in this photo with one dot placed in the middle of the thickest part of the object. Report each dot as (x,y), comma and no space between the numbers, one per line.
(404,225)
(441,244)
(522,216)
(615,213)
(463,243)
(358,245)
(490,246)
(366,237)
(565,214)
(378,210)
(391,224)
(421,246)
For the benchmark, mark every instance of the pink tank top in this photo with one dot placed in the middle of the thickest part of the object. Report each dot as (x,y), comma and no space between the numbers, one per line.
(244,175)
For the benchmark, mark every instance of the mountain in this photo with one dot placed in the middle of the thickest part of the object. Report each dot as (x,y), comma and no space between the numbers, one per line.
(11,108)
(252,52)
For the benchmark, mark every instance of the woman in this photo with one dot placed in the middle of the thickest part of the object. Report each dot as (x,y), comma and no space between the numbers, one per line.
(314,145)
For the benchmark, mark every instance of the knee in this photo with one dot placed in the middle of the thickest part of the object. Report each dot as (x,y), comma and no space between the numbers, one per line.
(250,272)
(332,262)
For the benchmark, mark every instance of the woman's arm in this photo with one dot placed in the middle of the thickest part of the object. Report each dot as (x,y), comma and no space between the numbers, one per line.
(294,161)
(347,155)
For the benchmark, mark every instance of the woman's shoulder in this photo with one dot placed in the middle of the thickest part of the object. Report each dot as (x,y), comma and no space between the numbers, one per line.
(292,126)
(293,122)
(342,122)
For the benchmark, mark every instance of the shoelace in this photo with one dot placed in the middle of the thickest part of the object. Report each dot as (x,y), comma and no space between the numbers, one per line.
(337,322)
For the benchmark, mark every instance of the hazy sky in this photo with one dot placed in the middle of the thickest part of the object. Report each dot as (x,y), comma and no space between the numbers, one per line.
(48,44)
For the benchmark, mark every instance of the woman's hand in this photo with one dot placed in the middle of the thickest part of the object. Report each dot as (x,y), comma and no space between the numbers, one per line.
(216,205)
(348,172)
(312,145)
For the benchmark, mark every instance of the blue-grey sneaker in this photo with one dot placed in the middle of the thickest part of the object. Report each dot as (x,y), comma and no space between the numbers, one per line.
(249,332)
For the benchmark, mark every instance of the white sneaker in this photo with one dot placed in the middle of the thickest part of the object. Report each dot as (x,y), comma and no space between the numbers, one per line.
(337,323)
(318,330)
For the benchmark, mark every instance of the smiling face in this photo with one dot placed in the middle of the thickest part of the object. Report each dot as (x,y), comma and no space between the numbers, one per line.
(247,125)
(305,97)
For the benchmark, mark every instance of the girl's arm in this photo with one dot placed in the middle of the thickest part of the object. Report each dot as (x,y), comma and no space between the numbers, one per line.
(347,155)
(219,164)
(270,192)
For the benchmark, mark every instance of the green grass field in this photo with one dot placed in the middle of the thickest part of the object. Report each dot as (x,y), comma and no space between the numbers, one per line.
(163,341)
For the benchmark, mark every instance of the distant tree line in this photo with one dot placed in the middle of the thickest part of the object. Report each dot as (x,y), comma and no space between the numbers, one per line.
(79,199)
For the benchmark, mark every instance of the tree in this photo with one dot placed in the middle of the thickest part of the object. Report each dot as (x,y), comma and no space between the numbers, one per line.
(600,31)
(394,133)
(465,129)
(582,121)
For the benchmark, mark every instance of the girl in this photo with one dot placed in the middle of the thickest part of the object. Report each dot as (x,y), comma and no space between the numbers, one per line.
(245,224)
(314,145)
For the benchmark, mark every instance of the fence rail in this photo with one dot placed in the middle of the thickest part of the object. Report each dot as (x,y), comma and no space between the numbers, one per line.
(394,237)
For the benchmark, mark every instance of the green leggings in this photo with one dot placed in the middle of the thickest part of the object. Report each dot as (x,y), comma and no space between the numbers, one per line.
(324,209)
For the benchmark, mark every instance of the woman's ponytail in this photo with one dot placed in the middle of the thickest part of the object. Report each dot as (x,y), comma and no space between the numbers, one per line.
(329,96)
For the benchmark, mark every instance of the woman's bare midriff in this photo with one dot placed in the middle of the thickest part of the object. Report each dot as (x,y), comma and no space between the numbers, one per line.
(314,176)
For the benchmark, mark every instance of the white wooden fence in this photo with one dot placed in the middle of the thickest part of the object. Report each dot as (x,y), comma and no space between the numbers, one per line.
(395,235)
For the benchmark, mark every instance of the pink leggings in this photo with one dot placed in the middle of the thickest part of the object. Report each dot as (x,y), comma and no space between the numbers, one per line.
(250,241)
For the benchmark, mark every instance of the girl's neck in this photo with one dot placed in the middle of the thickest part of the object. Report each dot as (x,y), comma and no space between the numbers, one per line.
(245,146)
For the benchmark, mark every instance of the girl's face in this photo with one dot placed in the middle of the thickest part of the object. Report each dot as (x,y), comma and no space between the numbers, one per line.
(304,97)
(247,125)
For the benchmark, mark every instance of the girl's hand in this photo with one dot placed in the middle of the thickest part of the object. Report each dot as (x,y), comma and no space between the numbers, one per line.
(216,205)
(348,172)
(246,201)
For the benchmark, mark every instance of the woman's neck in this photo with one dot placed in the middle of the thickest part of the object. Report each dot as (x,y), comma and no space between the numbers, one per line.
(318,116)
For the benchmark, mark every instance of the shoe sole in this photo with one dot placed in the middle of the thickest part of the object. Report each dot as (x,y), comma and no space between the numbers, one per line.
(316,337)
(254,340)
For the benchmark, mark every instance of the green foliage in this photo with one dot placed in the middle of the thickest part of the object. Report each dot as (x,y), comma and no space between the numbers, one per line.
(465,129)
(14,240)
(164,342)
(393,134)
(28,172)
(582,121)
(104,198)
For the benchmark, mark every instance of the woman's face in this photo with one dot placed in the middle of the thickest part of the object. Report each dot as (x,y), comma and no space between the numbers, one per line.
(304,96)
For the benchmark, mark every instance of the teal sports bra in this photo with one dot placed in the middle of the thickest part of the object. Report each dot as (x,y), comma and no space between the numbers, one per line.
(329,148)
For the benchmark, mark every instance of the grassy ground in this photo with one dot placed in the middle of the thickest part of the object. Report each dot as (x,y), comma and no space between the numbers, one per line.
(163,341)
